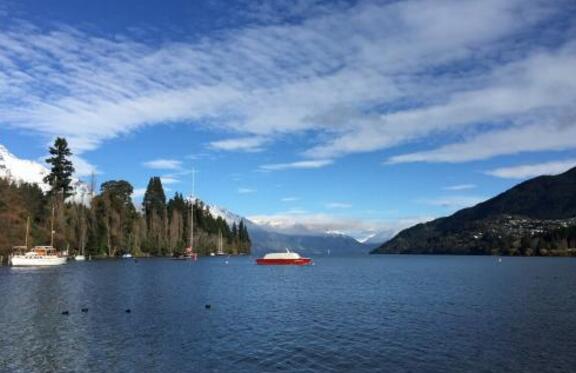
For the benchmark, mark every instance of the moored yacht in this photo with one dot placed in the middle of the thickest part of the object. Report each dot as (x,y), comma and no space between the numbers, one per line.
(38,256)
(287,258)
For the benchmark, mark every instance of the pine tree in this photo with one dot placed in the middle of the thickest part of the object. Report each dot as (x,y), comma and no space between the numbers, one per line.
(156,215)
(61,170)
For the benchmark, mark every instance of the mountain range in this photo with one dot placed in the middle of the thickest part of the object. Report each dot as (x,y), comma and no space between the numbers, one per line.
(264,237)
(536,217)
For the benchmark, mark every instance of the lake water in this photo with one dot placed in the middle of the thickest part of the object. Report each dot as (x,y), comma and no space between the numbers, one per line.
(357,314)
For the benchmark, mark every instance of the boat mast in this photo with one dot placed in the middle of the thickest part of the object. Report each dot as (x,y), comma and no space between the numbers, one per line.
(27,230)
(192,210)
(53,212)
(220,251)
(82,224)
(52,226)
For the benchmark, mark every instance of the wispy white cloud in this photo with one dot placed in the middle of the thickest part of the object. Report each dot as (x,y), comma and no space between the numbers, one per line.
(553,136)
(290,199)
(454,202)
(338,205)
(246,190)
(532,170)
(460,187)
(297,165)
(166,180)
(163,164)
(339,74)
(247,144)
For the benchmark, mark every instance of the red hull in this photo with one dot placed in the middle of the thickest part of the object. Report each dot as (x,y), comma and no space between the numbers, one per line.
(298,262)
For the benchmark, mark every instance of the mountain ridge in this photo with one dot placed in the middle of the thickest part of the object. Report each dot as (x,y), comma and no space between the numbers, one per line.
(535,217)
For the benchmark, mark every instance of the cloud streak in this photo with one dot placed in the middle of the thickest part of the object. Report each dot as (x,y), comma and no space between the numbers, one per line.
(460,187)
(163,164)
(533,170)
(454,202)
(246,190)
(297,165)
(356,78)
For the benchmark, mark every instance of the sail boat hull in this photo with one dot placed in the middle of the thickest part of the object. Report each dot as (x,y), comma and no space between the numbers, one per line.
(27,261)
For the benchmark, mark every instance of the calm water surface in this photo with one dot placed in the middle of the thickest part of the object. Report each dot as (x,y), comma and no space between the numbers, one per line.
(362,314)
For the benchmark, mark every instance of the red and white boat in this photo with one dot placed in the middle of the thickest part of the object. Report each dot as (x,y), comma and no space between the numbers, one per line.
(287,258)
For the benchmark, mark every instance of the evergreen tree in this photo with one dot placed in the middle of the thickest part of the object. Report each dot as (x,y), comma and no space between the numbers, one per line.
(156,215)
(61,171)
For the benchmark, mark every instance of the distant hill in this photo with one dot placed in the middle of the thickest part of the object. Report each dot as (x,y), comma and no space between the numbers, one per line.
(536,217)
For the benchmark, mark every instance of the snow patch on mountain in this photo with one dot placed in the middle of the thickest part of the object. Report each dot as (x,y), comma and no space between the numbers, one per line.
(31,172)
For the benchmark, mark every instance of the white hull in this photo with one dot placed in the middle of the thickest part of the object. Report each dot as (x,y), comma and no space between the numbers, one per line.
(20,261)
(79,258)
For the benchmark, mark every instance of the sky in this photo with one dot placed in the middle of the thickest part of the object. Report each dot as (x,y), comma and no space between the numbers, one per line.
(352,116)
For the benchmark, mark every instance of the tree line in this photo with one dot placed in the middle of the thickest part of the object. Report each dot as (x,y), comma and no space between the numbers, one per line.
(107,223)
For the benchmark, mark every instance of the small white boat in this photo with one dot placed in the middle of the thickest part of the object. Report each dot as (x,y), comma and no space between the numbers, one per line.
(79,258)
(39,256)
(126,256)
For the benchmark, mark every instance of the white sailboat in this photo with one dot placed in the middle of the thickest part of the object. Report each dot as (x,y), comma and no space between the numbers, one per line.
(39,255)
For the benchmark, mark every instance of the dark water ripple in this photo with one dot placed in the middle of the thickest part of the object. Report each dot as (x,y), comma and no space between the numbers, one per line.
(367,314)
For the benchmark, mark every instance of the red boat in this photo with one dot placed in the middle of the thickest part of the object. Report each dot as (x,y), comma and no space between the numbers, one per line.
(287,258)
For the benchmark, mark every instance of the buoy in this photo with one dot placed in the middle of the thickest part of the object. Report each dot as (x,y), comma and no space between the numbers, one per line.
(208,306)
(84,310)
(65,313)
(128,310)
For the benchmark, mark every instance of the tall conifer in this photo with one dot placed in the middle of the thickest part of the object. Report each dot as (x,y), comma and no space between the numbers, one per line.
(60,176)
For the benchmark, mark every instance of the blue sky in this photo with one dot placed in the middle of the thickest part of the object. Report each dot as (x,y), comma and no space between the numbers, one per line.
(354,116)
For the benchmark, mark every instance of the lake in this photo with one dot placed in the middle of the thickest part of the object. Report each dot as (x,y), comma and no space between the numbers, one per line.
(354,314)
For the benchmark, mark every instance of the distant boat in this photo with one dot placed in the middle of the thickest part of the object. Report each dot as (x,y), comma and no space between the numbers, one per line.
(80,258)
(126,256)
(38,256)
(188,254)
(287,258)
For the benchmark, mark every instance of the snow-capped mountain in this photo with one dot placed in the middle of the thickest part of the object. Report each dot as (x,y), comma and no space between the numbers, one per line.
(227,215)
(378,237)
(26,171)
(268,237)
